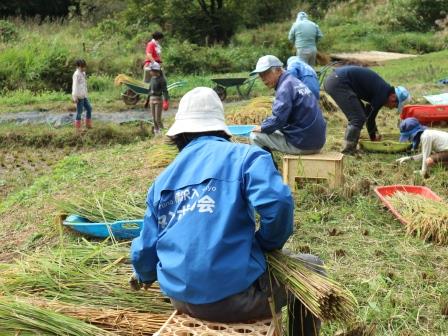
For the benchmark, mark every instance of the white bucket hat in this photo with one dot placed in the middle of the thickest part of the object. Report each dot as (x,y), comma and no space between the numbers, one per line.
(200,110)
(154,66)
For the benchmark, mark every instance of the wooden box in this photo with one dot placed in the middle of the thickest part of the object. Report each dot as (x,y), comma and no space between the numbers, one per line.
(184,325)
(326,167)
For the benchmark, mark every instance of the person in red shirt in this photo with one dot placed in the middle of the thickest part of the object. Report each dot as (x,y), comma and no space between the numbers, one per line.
(153,53)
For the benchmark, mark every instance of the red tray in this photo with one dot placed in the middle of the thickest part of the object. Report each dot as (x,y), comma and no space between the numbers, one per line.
(385,191)
(426,114)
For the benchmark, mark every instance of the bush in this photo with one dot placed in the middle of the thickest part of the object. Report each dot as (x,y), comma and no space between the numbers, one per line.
(8,31)
(100,83)
(413,15)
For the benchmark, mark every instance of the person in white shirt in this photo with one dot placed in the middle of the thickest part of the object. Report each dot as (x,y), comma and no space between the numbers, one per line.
(434,144)
(79,95)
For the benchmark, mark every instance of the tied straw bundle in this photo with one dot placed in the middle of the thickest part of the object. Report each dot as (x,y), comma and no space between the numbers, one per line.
(20,318)
(121,322)
(84,274)
(324,297)
(426,218)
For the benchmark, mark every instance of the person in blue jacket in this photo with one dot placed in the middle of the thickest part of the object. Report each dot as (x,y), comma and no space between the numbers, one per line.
(304,73)
(199,238)
(297,125)
(361,93)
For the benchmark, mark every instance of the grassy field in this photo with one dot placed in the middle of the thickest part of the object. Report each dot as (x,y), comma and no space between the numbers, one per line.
(401,282)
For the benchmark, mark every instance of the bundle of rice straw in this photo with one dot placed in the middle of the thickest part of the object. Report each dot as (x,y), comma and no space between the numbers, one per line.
(327,103)
(121,322)
(85,274)
(426,218)
(18,318)
(324,297)
(254,112)
(121,78)
(105,207)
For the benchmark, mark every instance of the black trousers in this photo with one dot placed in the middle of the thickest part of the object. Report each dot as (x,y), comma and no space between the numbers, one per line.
(252,304)
(353,108)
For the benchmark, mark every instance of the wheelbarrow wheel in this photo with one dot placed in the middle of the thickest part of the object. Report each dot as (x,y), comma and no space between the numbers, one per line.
(221,92)
(130,97)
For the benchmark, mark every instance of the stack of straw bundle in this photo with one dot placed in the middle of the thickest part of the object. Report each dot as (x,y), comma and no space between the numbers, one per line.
(85,274)
(121,322)
(20,318)
(324,297)
(121,78)
(252,113)
(426,218)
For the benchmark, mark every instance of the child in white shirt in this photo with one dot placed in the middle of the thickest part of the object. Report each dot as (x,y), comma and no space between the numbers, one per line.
(79,95)
(434,144)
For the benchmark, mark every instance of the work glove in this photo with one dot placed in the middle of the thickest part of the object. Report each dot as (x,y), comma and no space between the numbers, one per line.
(403,159)
(136,284)
(166,105)
(375,137)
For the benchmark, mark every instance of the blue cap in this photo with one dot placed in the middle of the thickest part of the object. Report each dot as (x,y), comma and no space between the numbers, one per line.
(409,128)
(402,96)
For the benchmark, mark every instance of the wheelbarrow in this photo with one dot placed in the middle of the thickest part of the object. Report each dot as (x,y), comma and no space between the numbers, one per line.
(132,88)
(223,83)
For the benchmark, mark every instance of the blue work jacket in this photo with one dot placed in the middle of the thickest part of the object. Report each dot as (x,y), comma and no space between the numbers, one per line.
(296,113)
(306,74)
(199,238)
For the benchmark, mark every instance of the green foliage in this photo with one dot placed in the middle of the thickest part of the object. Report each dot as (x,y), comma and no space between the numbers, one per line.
(41,65)
(414,15)
(8,31)
(363,25)
(190,58)
(204,21)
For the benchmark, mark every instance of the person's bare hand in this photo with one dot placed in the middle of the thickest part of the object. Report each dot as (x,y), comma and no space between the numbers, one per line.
(257,129)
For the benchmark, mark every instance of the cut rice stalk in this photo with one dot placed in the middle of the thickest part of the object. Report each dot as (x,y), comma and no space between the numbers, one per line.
(324,297)
(17,317)
(426,218)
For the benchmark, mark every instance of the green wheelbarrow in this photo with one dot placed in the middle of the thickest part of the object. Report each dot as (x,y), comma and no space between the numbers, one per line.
(132,88)
(223,83)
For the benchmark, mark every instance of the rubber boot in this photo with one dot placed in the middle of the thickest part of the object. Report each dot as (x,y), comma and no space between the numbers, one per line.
(88,123)
(351,140)
(77,125)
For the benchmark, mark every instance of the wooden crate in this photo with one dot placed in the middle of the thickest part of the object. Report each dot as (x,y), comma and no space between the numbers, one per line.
(184,325)
(326,167)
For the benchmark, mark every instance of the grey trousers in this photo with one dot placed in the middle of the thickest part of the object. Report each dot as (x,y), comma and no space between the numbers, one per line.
(277,142)
(308,55)
(253,304)
(155,104)
(354,109)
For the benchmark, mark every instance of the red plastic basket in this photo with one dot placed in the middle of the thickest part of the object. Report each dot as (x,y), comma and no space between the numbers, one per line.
(385,191)
(426,114)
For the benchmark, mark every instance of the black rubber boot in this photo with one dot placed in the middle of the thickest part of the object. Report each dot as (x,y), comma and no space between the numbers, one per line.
(351,140)
(300,320)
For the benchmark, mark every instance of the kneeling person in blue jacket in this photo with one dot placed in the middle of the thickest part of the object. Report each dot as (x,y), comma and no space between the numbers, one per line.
(296,125)
(305,73)
(199,238)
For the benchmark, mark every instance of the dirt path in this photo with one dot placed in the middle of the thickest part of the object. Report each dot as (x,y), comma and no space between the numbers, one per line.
(63,118)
